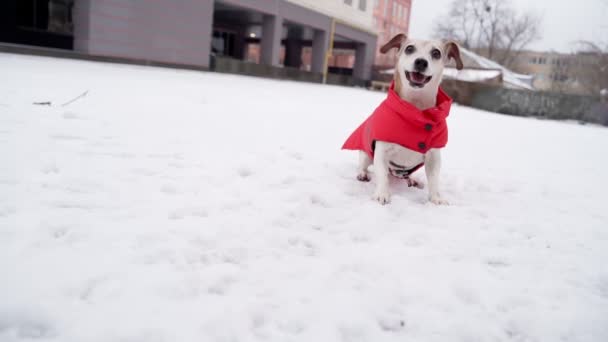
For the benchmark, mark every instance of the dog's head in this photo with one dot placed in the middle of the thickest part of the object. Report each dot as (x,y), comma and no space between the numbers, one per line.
(420,63)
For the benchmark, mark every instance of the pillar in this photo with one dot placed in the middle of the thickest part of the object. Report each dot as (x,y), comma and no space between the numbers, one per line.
(293,47)
(272,29)
(319,50)
(364,60)
(81,16)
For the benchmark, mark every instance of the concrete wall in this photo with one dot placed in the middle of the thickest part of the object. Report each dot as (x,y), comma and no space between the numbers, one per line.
(234,66)
(171,31)
(350,14)
(541,104)
(463,92)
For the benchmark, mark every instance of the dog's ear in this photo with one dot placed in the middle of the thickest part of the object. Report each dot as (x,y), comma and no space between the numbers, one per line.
(453,51)
(395,42)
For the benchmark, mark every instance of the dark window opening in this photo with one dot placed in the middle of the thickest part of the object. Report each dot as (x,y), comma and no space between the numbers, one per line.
(46,15)
(223,43)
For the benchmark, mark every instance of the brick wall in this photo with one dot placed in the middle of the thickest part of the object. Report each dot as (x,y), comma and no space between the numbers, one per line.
(390,18)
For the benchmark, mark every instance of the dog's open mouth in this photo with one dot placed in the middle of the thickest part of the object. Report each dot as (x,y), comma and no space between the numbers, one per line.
(416,79)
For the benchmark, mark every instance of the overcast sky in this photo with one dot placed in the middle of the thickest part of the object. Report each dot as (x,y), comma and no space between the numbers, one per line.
(564,21)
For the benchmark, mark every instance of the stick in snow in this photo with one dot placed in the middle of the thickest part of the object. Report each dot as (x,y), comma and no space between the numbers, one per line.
(46,103)
(76,98)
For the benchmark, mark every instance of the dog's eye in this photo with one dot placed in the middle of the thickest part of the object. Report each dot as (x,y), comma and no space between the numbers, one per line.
(410,49)
(436,54)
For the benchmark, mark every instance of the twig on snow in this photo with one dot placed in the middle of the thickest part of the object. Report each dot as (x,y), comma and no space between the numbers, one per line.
(76,98)
(45,103)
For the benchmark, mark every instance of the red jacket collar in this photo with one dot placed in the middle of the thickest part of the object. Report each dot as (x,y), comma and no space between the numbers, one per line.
(434,114)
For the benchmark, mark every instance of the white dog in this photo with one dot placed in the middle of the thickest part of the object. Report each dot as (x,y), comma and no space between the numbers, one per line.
(422,106)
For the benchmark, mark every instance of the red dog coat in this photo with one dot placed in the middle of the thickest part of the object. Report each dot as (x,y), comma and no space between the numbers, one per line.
(398,121)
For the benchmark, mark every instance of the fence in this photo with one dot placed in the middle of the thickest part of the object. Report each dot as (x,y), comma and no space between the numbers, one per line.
(530,103)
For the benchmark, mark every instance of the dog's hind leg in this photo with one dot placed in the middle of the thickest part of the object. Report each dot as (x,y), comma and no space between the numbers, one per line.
(364,163)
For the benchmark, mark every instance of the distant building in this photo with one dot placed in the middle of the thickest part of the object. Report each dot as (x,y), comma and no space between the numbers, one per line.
(277,33)
(555,71)
(387,18)
(391,17)
(548,68)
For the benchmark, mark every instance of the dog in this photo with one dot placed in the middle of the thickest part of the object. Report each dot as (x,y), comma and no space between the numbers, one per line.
(415,108)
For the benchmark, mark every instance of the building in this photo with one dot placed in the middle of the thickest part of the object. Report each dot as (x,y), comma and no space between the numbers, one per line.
(388,18)
(391,17)
(548,68)
(356,13)
(563,72)
(290,33)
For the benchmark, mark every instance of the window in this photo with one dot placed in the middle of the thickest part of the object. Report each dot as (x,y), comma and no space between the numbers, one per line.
(363,5)
(559,77)
(46,15)
(223,43)
(348,2)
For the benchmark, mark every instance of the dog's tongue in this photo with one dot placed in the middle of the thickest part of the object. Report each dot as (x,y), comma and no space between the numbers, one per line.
(418,77)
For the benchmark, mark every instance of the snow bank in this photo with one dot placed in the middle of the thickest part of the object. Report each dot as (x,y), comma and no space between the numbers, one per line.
(511,78)
(471,75)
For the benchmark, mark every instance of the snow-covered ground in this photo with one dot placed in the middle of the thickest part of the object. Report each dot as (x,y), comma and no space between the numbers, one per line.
(176,206)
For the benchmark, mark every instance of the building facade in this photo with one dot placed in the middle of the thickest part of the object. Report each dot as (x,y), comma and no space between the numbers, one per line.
(548,68)
(562,72)
(355,13)
(189,32)
(391,17)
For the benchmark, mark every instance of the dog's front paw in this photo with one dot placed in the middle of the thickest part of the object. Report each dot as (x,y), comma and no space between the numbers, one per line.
(412,182)
(363,177)
(382,197)
(438,200)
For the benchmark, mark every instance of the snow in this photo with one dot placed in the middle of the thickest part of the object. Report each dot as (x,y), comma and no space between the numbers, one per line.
(184,206)
(510,78)
(471,75)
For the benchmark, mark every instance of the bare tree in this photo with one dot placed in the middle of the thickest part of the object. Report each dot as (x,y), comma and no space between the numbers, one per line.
(491,27)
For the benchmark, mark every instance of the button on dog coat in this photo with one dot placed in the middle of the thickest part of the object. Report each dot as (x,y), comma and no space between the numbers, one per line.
(400,122)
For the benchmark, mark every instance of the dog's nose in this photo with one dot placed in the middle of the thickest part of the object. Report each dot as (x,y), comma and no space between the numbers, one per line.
(421,64)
